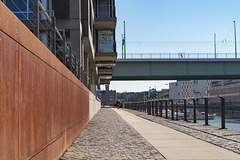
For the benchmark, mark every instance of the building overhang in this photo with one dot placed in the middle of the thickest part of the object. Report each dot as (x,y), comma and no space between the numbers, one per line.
(105,22)
(106,64)
(109,77)
(105,71)
(106,56)
(104,81)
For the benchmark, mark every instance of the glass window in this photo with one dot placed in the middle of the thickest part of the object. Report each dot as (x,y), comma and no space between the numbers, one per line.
(23,9)
(105,41)
(104,8)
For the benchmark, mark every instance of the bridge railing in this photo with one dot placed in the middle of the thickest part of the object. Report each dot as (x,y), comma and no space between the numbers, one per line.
(178,56)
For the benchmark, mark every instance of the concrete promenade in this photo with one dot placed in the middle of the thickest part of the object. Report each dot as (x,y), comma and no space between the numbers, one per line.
(119,134)
(173,144)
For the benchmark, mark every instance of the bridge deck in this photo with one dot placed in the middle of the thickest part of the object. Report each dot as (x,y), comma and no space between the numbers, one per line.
(176,69)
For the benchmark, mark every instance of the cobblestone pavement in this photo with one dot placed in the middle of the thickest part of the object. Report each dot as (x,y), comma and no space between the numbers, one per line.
(227,139)
(108,136)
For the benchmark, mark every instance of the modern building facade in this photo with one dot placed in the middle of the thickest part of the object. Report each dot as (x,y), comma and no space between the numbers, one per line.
(89,27)
(191,88)
(219,87)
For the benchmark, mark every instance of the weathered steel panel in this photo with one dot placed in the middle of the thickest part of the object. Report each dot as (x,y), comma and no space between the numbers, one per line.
(51,104)
(8,22)
(43,106)
(8,98)
(33,104)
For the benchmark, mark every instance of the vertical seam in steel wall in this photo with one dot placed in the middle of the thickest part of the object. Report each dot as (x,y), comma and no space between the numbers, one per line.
(19,90)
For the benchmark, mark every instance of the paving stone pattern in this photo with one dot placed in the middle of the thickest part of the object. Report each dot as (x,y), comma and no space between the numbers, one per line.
(227,139)
(108,136)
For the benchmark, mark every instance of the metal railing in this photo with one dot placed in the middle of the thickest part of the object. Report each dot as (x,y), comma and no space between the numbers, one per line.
(166,108)
(42,22)
(178,56)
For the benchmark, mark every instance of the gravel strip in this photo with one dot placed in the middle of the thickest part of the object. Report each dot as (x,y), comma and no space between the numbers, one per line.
(227,139)
(108,136)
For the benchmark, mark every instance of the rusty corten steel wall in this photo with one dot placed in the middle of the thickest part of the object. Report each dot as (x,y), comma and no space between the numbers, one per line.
(43,106)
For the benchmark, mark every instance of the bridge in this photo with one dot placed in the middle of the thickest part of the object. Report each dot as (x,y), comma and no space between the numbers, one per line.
(194,66)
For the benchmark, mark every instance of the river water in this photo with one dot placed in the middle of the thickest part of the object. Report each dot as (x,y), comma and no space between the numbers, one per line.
(233,124)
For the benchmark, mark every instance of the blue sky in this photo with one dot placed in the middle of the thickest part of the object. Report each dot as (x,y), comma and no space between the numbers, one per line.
(173,26)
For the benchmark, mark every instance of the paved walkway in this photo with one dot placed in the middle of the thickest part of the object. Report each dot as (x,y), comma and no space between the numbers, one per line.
(173,144)
(118,134)
(108,136)
(228,139)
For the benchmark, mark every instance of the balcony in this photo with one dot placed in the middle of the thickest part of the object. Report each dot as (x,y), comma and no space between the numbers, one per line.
(106,51)
(104,81)
(105,17)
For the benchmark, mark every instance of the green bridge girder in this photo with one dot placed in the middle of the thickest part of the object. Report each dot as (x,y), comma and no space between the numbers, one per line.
(176,69)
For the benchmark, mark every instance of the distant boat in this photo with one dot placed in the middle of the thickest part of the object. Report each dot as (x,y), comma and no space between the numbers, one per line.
(190,115)
(199,115)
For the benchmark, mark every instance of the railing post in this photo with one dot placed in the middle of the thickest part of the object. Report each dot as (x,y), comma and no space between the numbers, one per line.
(75,65)
(153,108)
(166,109)
(222,112)
(156,108)
(172,109)
(176,112)
(36,18)
(70,58)
(185,110)
(145,109)
(206,111)
(194,111)
(53,35)
(64,48)
(160,109)
(148,108)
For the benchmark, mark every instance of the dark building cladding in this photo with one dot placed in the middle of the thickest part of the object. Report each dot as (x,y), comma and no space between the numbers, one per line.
(108,97)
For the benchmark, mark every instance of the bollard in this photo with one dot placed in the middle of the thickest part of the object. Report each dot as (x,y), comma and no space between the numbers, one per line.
(194,112)
(166,109)
(223,112)
(172,109)
(206,111)
(185,110)
(160,109)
